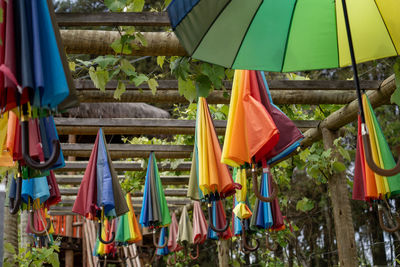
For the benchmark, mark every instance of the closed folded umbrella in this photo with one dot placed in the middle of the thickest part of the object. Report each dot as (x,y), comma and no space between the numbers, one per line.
(199,224)
(163,239)
(251,131)
(185,230)
(241,210)
(127,228)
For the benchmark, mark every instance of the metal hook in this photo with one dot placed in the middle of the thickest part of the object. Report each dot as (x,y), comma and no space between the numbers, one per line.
(15,204)
(370,161)
(269,246)
(25,149)
(381,223)
(156,243)
(257,192)
(245,246)
(210,220)
(197,253)
(101,239)
(32,226)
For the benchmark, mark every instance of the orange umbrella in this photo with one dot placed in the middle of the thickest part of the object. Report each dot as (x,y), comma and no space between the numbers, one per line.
(250,129)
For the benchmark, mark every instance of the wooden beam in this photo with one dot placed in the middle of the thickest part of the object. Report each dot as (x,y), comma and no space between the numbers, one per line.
(124,151)
(133,126)
(167,192)
(274,85)
(165,180)
(137,201)
(154,19)
(95,42)
(349,112)
(121,166)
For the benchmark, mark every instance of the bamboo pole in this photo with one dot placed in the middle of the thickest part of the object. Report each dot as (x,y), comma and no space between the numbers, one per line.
(349,112)
(99,43)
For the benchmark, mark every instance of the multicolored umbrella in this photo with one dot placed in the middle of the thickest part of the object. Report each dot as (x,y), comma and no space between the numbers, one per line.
(128,231)
(207,172)
(251,131)
(107,232)
(219,228)
(100,194)
(154,211)
(172,244)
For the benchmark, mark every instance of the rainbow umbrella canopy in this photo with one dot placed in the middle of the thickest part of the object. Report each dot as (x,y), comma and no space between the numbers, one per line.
(278,36)
(128,231)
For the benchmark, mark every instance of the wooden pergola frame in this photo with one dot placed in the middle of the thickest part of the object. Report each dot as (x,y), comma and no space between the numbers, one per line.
(166,44)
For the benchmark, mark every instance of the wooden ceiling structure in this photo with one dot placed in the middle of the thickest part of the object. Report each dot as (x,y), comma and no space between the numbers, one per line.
(283,92)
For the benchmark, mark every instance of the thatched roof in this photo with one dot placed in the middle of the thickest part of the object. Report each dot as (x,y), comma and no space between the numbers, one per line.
(117,110)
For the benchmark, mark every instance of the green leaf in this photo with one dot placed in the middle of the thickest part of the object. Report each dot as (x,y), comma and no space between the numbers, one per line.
(344,153)
(203,85)
(83,62)
(395,98)
(180,68)
(141,38)
(105,61)
(118,44)
(141,78)
(153,84)
(305,204)
(339,166)
(167,2)
(9,248)
(127,67)
(187,89)
(138,5)
(121,88)
(99,77)
(214,72)
(160,61)
(53,260)
(72,65)
(115,5)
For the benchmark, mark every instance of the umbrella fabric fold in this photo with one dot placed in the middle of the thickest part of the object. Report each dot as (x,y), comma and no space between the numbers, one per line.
(367,184)
(154,212)
(173,230)
(262,215)
(236,225)
(163,235)
(194,191)
(212,175)
(199,224)
(241,210)
(185,230)
(219,220)
(128,231)
(100,175)
(250,130)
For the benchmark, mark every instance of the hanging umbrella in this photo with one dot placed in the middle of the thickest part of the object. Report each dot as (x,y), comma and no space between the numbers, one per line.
(128,231)
(185,230)
(219,228)
(163,239)
(250,130)
(100,174)
(209,178)
(154,211)
(199,228)
(295,36)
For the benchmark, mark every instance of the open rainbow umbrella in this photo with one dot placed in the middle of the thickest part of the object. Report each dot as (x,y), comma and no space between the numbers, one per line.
(128,231)
(154,213)
(291,36)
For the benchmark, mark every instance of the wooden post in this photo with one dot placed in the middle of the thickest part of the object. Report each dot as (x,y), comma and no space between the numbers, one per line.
(223,253)
(69,254)
(341,210)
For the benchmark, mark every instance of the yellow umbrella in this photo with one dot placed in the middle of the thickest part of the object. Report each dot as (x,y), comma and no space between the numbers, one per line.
(241,210)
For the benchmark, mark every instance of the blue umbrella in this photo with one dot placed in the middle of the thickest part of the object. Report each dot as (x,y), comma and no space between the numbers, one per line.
(163,239)
(262,215)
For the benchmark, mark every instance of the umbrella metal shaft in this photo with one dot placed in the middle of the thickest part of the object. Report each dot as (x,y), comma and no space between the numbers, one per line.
(353,60)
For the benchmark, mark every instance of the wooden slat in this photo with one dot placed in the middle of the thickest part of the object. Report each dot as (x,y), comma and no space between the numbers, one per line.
(165,180)
(113,19)
(133,126)
(167,192)
(137,201)
(119,166)
(122,151)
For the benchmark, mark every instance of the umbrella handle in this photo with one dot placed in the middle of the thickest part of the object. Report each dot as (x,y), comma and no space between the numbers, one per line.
(371,163)
(169,260)
(383,226)
(32,226)
(101,239)
(25,150)
(210,221)
(246,246)
(269,246)
(15,204)
(197,253)
(155,243)
(257,192)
